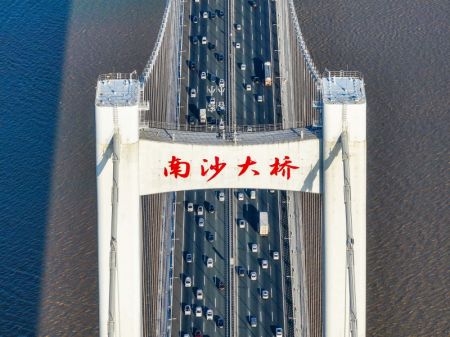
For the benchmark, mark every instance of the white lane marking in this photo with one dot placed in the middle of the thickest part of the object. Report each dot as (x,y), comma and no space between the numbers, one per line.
(260,316)
(215,302)
(270,292)
(193,279)
(204,279)
(270,271)
(194,236)
(272,316)
(215,256)
(248,292)
(259,270)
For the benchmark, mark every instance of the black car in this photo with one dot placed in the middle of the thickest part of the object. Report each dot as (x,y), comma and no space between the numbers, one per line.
(220,13)
(220,57)
(194,40)
(211,46)
(241,271)
(195,19)
(212,15)
(253,4)
(221,285)
(210,237)
(198,333)
(211,206)
(219,322)
(193,65)
(256,79)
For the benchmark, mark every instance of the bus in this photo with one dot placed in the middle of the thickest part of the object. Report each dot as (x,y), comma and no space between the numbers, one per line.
(267,74)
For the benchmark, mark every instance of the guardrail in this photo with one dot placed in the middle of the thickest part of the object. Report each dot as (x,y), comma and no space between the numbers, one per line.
(118,76)
(343,73)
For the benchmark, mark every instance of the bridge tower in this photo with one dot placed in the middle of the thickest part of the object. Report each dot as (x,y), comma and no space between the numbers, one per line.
(119,228)
(344,108)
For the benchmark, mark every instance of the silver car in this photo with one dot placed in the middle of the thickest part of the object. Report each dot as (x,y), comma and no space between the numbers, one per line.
(203,75)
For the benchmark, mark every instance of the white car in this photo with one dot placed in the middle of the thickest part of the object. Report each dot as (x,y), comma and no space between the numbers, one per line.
(238,26)
(237,45)
(279,332)
(205,15)
(248,87)
(253,275)
(252,194)
(264,294)
(203,75)
(240,196)
(200,210)
(193,93)
(241,223)
(254,248)
(243,66)
(201,222)
(221,196)
(259,98)
(190,207)
(209,315)
(271,191)
(212,101)
(221,82)
(264,264)
(198,311)
(276,255)
(187,309)
(187,282)
(209,262)
(199,294)
(204,40)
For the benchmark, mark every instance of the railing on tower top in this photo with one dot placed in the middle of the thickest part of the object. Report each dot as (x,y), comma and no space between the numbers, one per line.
(343,73)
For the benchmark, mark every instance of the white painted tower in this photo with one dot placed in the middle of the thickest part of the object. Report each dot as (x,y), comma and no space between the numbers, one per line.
(344,100)
(117,110)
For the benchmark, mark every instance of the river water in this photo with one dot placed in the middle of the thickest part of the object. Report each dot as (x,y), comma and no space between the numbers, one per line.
(51,53)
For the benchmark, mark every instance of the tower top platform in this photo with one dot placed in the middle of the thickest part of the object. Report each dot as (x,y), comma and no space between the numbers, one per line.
(117,89)
(343,87)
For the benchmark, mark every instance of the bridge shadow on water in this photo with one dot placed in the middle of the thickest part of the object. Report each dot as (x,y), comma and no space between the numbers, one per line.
(32,54)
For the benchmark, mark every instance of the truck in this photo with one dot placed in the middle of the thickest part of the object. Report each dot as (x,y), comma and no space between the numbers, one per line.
(263,226)
(267,74)
(202,116)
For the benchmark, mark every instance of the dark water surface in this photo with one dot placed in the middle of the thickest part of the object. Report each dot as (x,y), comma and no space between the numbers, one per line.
(50,55)
(403,50)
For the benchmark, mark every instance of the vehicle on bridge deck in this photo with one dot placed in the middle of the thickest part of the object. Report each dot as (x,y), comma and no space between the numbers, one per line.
(279,332)
(220,13)
(193,65)
(253,4)
(259,98)
(254,248)
(240,196)
(219,322)
(187,309)
(221,82)
(241,271)
(209,315)
(221,196)
(243,66)
(198,311)
(203,75)
(252,321)
(190,207)
(220,285)
(252,194)
(253,275)
(202,114)
(276,255)
(199,294)
(237,45)
(264,294)
(194,40)
(195,19)
(211,46)
(267,74)
(193,93)
(211,208)
(241,223)
(209,262)
(219,56)
(204,40)
(210,237)
(198,333)
(200,210)
(212,101)
(212,15)
(263,225)
(188,258)
(201,222)
(248,87)
(264,264)
(205,14)
(238,26)
(187,282)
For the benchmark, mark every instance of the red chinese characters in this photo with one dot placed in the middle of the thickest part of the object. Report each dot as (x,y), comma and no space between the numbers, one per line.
(217,167)
(285,167)
(178,168)
(244,167)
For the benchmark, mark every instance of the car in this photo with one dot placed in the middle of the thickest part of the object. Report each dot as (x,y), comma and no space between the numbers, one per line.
(193,66)
(238,26)
(241,223)
(220,13)
(193,93)
(187,309)
(279,332)
(212,15)
(221,196)
(199,294)
(237,45)
(209,315)
(259,98)
(211,208)
(212,77)
(276,255)
(255,79)
(253,194)
(264,294)
(220,57)
(203,75)
(188,258)
(271,191)
(198,311)
(190,207)
(253,4)
(252,321)
(200,210)
(195,19)
(194,40)
(205,15)
(209,262)
(198,333)
(211,46)
(210,237)
(264,264)
(186,335)
(201,222)
(204,40)
(253,275)
(241,271)
(240,196)
(191,121)
(248,87)
(219,322)
(212,101)
(220,285)
(243,66)
(221,82)
(254,248)
(187,282)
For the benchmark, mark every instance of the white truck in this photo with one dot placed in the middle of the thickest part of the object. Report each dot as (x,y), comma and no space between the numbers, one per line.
(263,226)
(202,116)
